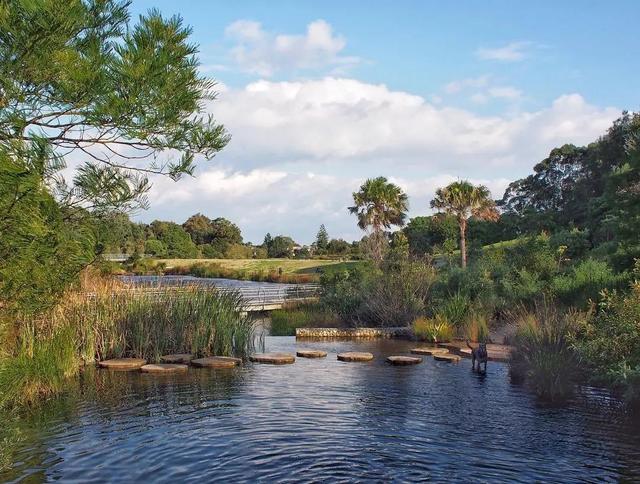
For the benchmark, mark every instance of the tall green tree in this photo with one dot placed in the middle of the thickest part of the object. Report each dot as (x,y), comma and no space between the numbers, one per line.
(281,246)
(124,100)
(378,205)
(322,240)
(464,200)
(176,240)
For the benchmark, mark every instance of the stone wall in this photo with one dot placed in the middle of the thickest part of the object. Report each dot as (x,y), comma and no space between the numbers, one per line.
(397,332)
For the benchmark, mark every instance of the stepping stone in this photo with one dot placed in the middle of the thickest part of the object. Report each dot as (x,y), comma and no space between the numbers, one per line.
(164,368)
(432,350)
(273,358)
(355,356)
(183,358)
(122,364)
(446,357)
(311,353)
(403,360)
(216,362)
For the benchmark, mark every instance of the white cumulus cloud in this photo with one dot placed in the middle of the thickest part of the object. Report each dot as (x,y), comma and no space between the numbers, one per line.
(299,150)
(264,53)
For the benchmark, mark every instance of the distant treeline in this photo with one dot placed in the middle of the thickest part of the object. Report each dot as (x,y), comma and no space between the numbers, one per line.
(202,237)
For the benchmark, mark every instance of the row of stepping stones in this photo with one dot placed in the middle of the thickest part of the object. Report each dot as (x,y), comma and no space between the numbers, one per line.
(170,363)
(439,354)
(179,362)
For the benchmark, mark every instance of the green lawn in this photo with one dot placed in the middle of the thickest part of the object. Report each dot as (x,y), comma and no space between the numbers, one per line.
(289,266)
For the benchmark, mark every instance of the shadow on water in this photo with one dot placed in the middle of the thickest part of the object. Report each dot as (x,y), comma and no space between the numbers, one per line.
(321,419)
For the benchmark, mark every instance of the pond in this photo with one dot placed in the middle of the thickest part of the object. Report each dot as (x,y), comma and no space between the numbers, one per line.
(321,419)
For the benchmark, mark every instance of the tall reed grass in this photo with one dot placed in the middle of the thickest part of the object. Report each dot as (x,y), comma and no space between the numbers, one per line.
(106,320)
(543,356)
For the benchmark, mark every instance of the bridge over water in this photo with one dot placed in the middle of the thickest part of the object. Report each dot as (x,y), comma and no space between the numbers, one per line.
(257,296)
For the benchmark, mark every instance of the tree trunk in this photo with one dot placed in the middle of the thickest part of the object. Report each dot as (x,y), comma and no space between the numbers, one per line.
(463,243)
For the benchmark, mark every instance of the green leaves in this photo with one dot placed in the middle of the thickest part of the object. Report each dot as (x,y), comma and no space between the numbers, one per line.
(125,98)
(378,205)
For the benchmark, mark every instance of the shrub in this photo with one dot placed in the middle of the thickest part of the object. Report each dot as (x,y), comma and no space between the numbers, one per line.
(521,287)
(610,342)
(584,282)
(455,309)
(393,295)
(543,356)
(436,330)
(575,242)
(285,321)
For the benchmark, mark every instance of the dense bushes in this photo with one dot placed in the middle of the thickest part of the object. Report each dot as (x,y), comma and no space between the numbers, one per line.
(391,295)
(610,341)
(584,282)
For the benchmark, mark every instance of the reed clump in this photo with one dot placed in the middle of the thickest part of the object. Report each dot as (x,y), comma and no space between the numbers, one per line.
(104,319)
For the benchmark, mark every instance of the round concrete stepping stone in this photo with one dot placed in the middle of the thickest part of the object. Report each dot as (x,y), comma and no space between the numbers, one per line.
(164,368)
(355,356)
(123,364)
(430,350)
(446,357)
(403,360)
(216,362)
(273,358)
(183,358)
(311,353)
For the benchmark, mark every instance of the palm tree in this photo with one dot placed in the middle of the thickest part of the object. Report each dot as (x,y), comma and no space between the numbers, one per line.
(464,200)
(378,205)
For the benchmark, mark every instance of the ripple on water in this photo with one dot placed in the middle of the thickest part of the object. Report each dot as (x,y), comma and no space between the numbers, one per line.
(320,419)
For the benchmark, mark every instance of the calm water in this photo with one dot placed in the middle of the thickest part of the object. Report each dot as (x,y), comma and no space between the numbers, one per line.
(324,420)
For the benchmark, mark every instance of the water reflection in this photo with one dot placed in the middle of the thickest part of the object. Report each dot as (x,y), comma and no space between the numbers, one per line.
(325,420)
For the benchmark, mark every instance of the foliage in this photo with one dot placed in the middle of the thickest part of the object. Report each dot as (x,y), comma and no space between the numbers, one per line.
(585,192)
(378,205)
(321,244)
(285,321)
(110,322)
(123,99)
(428,234)
(338,247)
(175,239)
(214,238)
(391,295)
(543,356)
(584,282)
(477,327)
(610,342)
(281,246)
(156,248)
(435,330)
(463,200)
(81,76)
(42,249)
(454,309)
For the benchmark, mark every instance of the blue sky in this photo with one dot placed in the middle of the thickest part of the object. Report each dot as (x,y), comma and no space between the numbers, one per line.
(320,95)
